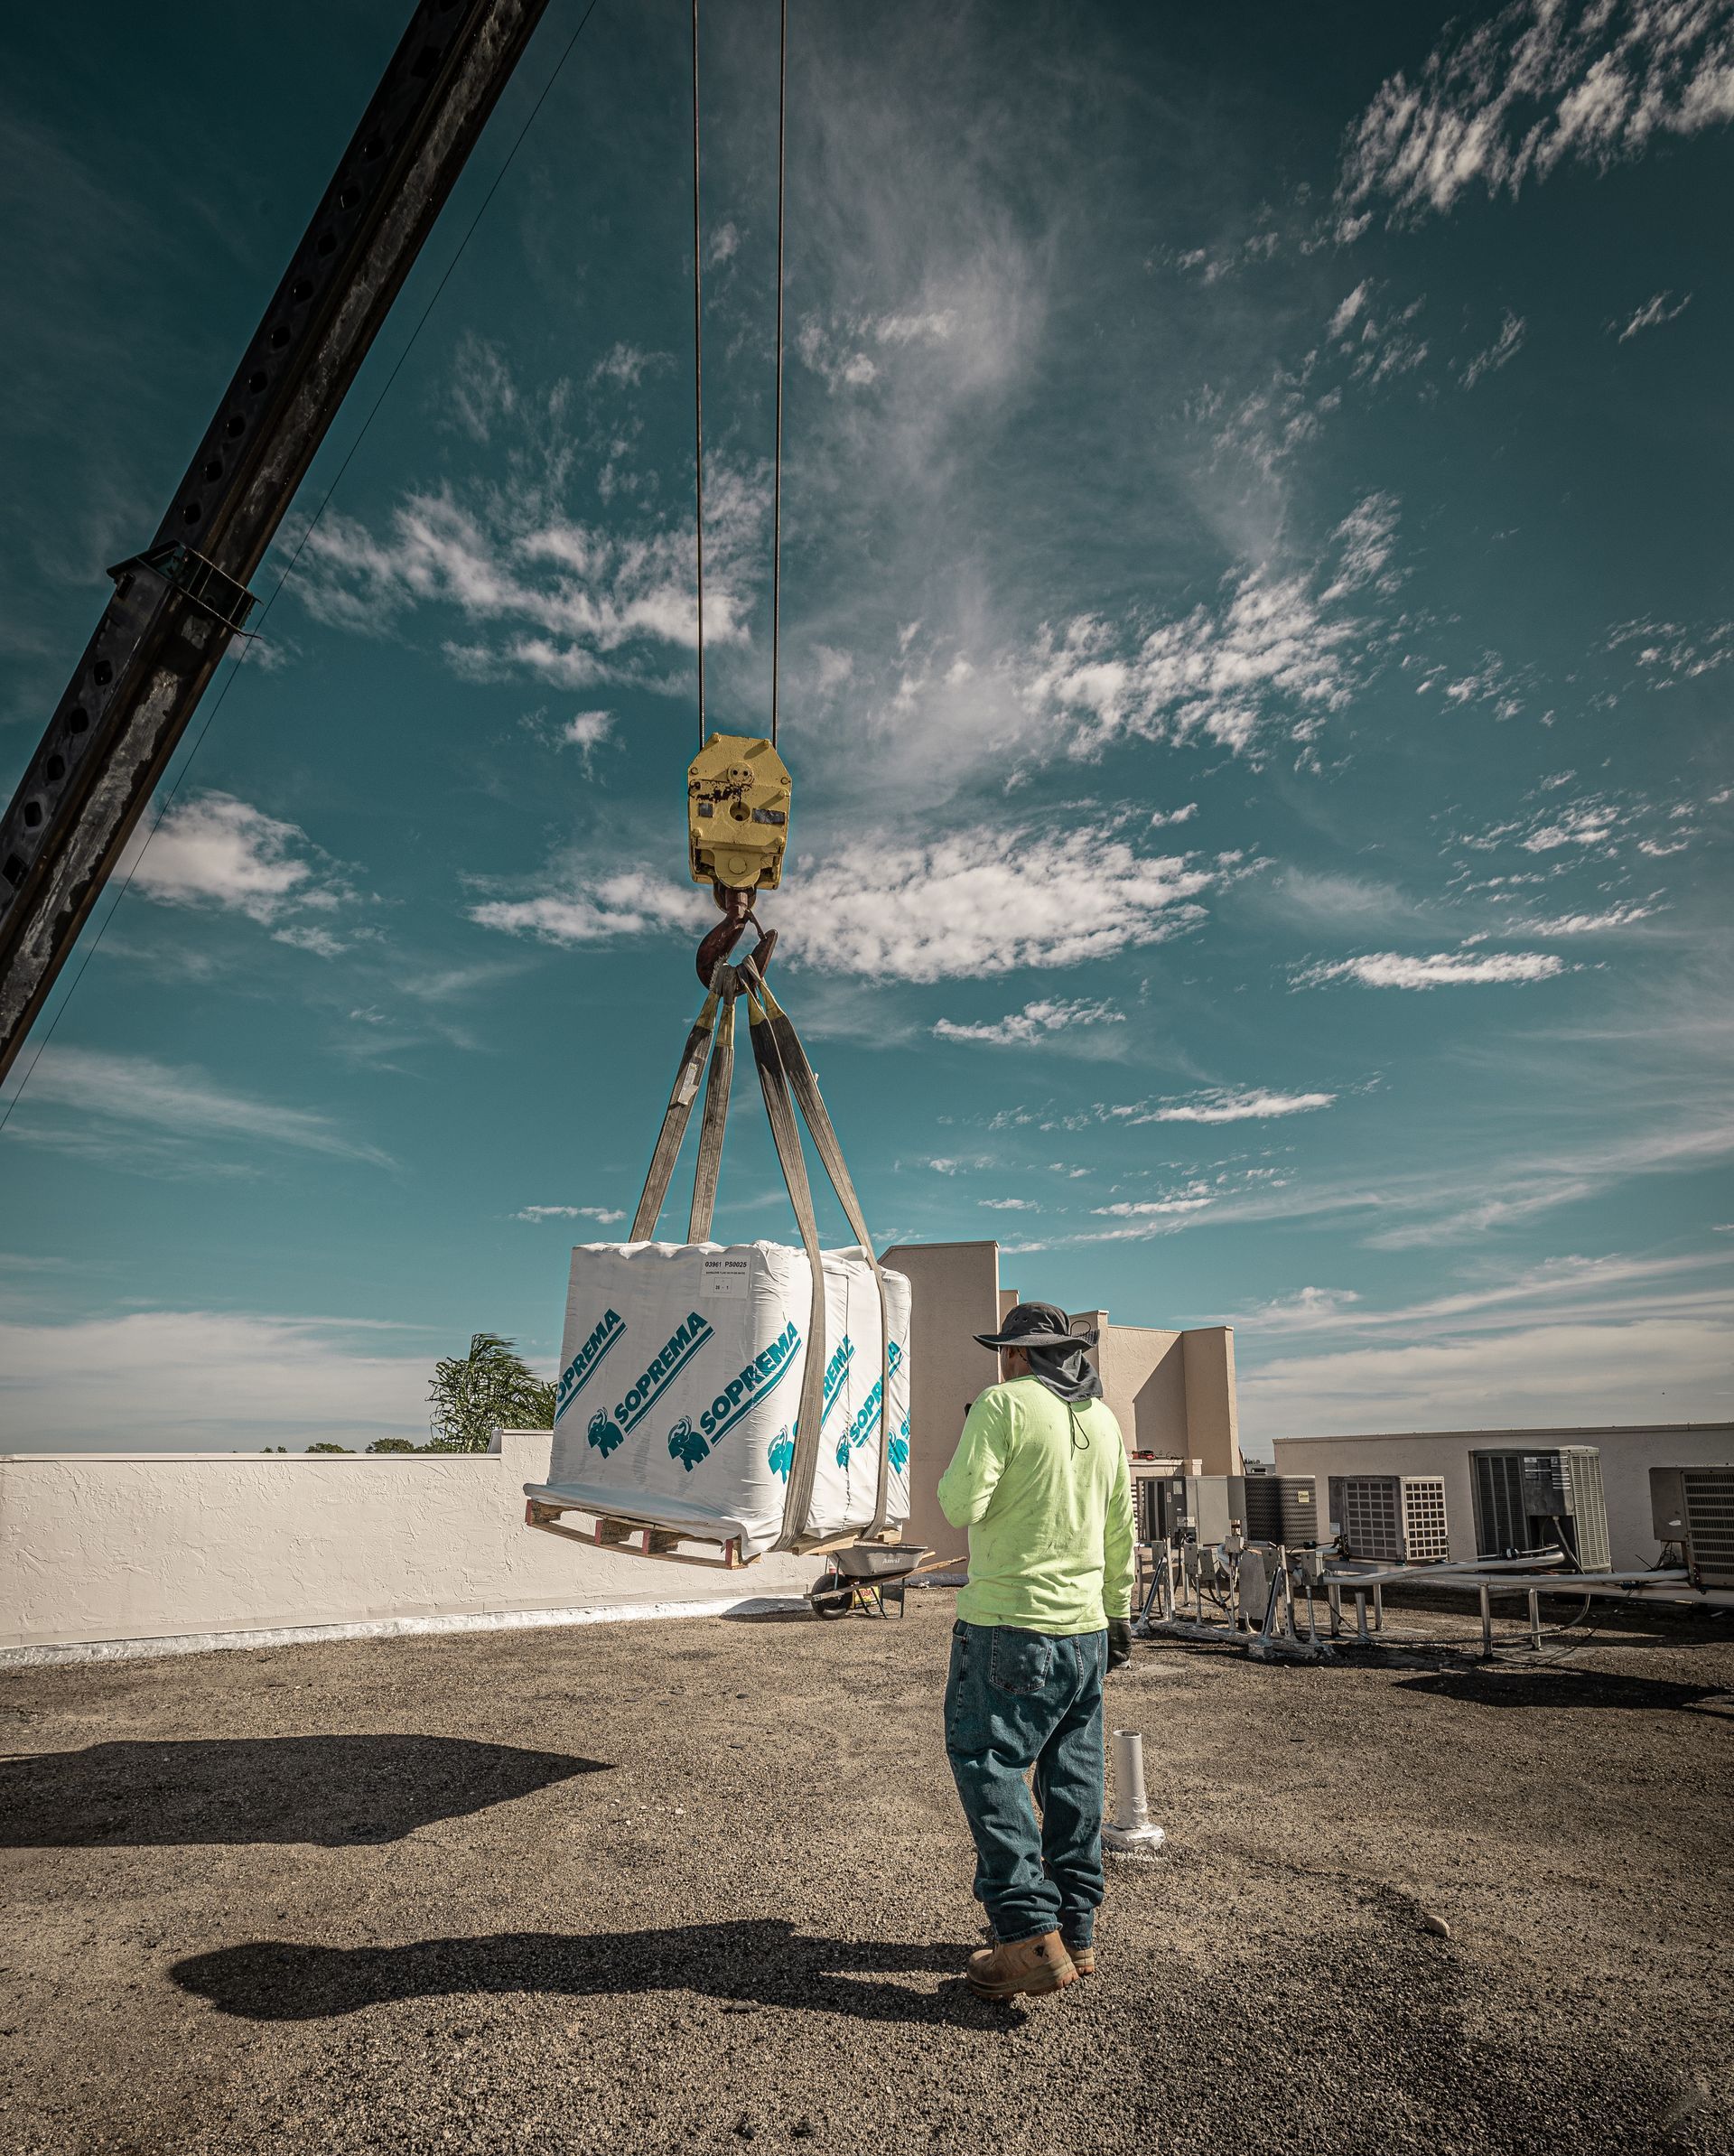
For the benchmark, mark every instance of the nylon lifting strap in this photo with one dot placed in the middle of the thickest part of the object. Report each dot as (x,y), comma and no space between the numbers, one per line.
(675,1115)
(805,1085)
(717,1114)
(773,1082)
(790,1090)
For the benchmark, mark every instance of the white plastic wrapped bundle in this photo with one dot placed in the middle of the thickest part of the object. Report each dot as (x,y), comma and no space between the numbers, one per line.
(680,1383)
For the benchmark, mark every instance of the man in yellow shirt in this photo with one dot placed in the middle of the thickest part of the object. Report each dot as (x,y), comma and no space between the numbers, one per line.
(1041,1480)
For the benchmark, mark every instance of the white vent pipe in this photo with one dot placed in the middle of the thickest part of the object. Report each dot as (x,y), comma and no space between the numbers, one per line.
(1132,1832)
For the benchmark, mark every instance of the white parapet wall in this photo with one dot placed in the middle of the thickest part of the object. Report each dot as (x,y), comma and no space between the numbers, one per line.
(128,1552)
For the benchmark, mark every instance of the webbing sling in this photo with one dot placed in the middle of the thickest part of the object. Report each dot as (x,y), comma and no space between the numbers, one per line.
(773,1082)
(787,1081)
(716,1116)
(805,1085)
(674,1116)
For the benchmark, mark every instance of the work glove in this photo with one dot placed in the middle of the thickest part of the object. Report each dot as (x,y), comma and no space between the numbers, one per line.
(1119,1642)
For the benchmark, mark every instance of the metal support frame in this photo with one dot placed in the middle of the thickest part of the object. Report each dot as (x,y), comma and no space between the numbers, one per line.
(179,601)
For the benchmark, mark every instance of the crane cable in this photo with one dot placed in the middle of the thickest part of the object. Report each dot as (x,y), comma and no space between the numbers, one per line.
(698,383)
(698,380)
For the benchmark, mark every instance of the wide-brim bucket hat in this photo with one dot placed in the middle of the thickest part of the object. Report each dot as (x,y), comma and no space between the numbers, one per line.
(1037,1325)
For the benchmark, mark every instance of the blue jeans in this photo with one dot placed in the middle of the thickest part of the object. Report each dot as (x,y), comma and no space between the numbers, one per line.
(1016,1700)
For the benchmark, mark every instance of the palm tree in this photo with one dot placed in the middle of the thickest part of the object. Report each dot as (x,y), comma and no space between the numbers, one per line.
(490,1387)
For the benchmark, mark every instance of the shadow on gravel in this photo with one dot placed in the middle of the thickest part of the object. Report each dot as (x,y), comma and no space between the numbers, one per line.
(760,1962)
(1573,1688)
(335,1791)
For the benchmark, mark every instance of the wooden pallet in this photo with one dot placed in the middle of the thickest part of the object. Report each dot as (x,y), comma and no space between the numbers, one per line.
(649,1538)
(637,1538)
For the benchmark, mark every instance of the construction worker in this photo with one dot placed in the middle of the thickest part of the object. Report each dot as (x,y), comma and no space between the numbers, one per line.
(1040,1479)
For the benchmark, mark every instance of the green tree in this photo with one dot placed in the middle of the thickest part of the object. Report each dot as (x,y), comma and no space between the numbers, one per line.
(394,1444)
(490,1386)
(328,1448)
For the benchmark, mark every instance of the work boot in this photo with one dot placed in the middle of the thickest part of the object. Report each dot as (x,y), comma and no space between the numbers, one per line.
(1032,1965)
(1083,1958)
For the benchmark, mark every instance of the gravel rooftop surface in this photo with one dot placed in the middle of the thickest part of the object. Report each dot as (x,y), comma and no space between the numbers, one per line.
(700,1884)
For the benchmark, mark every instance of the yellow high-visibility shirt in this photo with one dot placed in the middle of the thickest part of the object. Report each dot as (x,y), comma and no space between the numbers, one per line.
(1044,1489)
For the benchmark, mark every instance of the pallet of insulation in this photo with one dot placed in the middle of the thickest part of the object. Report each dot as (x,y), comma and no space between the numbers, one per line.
(681,1371)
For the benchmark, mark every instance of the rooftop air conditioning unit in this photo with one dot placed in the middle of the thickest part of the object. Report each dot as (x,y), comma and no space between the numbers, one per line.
(1529,1501)
(1203,1507)
(1391,1519)
(1694,1506)
(1283,1508)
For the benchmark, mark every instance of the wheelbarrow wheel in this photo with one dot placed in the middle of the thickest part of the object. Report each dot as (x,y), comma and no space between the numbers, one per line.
(832,1595)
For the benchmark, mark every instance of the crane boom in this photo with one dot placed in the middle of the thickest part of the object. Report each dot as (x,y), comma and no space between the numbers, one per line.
(177,605)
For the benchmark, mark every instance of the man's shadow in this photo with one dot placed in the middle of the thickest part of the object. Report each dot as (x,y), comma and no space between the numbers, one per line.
(334,1791)
(758,1962)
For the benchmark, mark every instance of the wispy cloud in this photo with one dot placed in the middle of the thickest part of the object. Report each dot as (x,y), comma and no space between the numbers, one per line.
(1035,1021)
(1651,315)
(216,852)
(1542,83)
(597,910)
(605,1215)
(1226,1104)
(1010,1205)
(990,900)
(1501,352)
(1438,969)
(124,1090)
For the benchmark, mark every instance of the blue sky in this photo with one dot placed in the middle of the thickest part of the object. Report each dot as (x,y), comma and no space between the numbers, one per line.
(1257,660)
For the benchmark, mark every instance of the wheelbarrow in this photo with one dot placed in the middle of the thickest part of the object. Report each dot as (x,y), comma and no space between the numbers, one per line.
(866,1575)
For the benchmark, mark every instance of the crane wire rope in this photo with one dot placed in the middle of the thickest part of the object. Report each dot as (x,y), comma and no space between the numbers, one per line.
(698,379)
(776,468)
(313,523)
(698,387)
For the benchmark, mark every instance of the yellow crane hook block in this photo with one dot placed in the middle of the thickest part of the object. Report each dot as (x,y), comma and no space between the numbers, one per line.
(736,812)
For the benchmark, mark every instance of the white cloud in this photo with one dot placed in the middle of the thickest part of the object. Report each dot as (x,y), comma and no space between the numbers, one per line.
(1010,1205)
(1649,316)
(569,1212)
(1544,82)
(1342,320)
(1271,658)
(1222,1104)
(987,900)
(595,909)
(482,389)
(214,850)
(1667,652)
(626,366)
(182,1102)
(1174,815)
(1194,1200)
(320,941)
(542,592)
(1500,353)
(1586,924)
(207,1380)
(1035,1022)
(1438,969)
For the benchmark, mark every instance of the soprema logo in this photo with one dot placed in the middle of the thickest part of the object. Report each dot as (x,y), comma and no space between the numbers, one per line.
(584,1366)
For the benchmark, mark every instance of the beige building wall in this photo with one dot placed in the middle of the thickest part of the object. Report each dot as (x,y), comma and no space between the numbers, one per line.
(956,1293)
(98,1546)
(1628,1455)
(1173,1393)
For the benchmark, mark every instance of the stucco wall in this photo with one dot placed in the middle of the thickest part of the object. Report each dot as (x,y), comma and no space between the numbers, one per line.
(112,1546)
(957,1294)
(1628,1455)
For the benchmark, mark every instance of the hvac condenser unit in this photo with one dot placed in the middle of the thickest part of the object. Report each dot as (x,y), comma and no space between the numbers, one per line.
(1529,1501)
(1283,1508)
(1203,1507)
(1694,1506)
(1391,1519)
